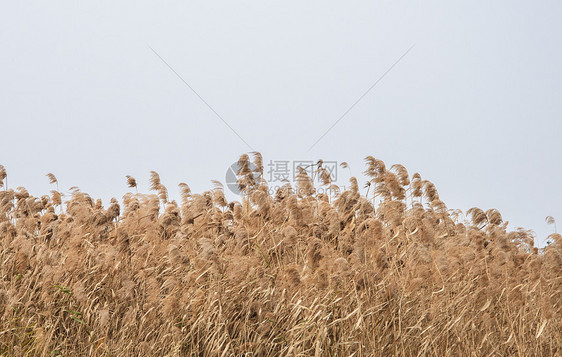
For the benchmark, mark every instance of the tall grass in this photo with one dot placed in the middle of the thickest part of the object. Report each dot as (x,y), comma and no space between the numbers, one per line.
(295,273)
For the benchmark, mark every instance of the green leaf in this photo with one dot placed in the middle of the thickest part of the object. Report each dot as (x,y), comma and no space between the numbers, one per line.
(77,319)
(63,289)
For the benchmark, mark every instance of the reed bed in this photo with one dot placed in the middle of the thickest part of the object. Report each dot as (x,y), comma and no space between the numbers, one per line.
(297,273)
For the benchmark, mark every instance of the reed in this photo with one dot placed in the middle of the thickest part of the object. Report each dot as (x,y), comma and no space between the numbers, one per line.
(293,273)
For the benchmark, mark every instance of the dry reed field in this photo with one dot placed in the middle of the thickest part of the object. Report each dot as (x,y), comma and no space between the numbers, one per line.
(297,273)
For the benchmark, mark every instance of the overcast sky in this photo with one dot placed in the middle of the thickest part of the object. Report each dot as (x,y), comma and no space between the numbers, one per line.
(475,106)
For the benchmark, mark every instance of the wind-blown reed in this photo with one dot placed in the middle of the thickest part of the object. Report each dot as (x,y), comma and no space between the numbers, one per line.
(294,273)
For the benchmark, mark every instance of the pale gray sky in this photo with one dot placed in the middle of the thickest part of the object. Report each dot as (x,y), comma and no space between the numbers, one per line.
(474,107)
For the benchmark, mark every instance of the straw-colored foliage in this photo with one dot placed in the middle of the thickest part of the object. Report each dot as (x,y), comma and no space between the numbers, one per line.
(293,273)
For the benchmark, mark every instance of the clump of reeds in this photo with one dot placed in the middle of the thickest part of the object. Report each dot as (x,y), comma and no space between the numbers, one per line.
(392,272)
